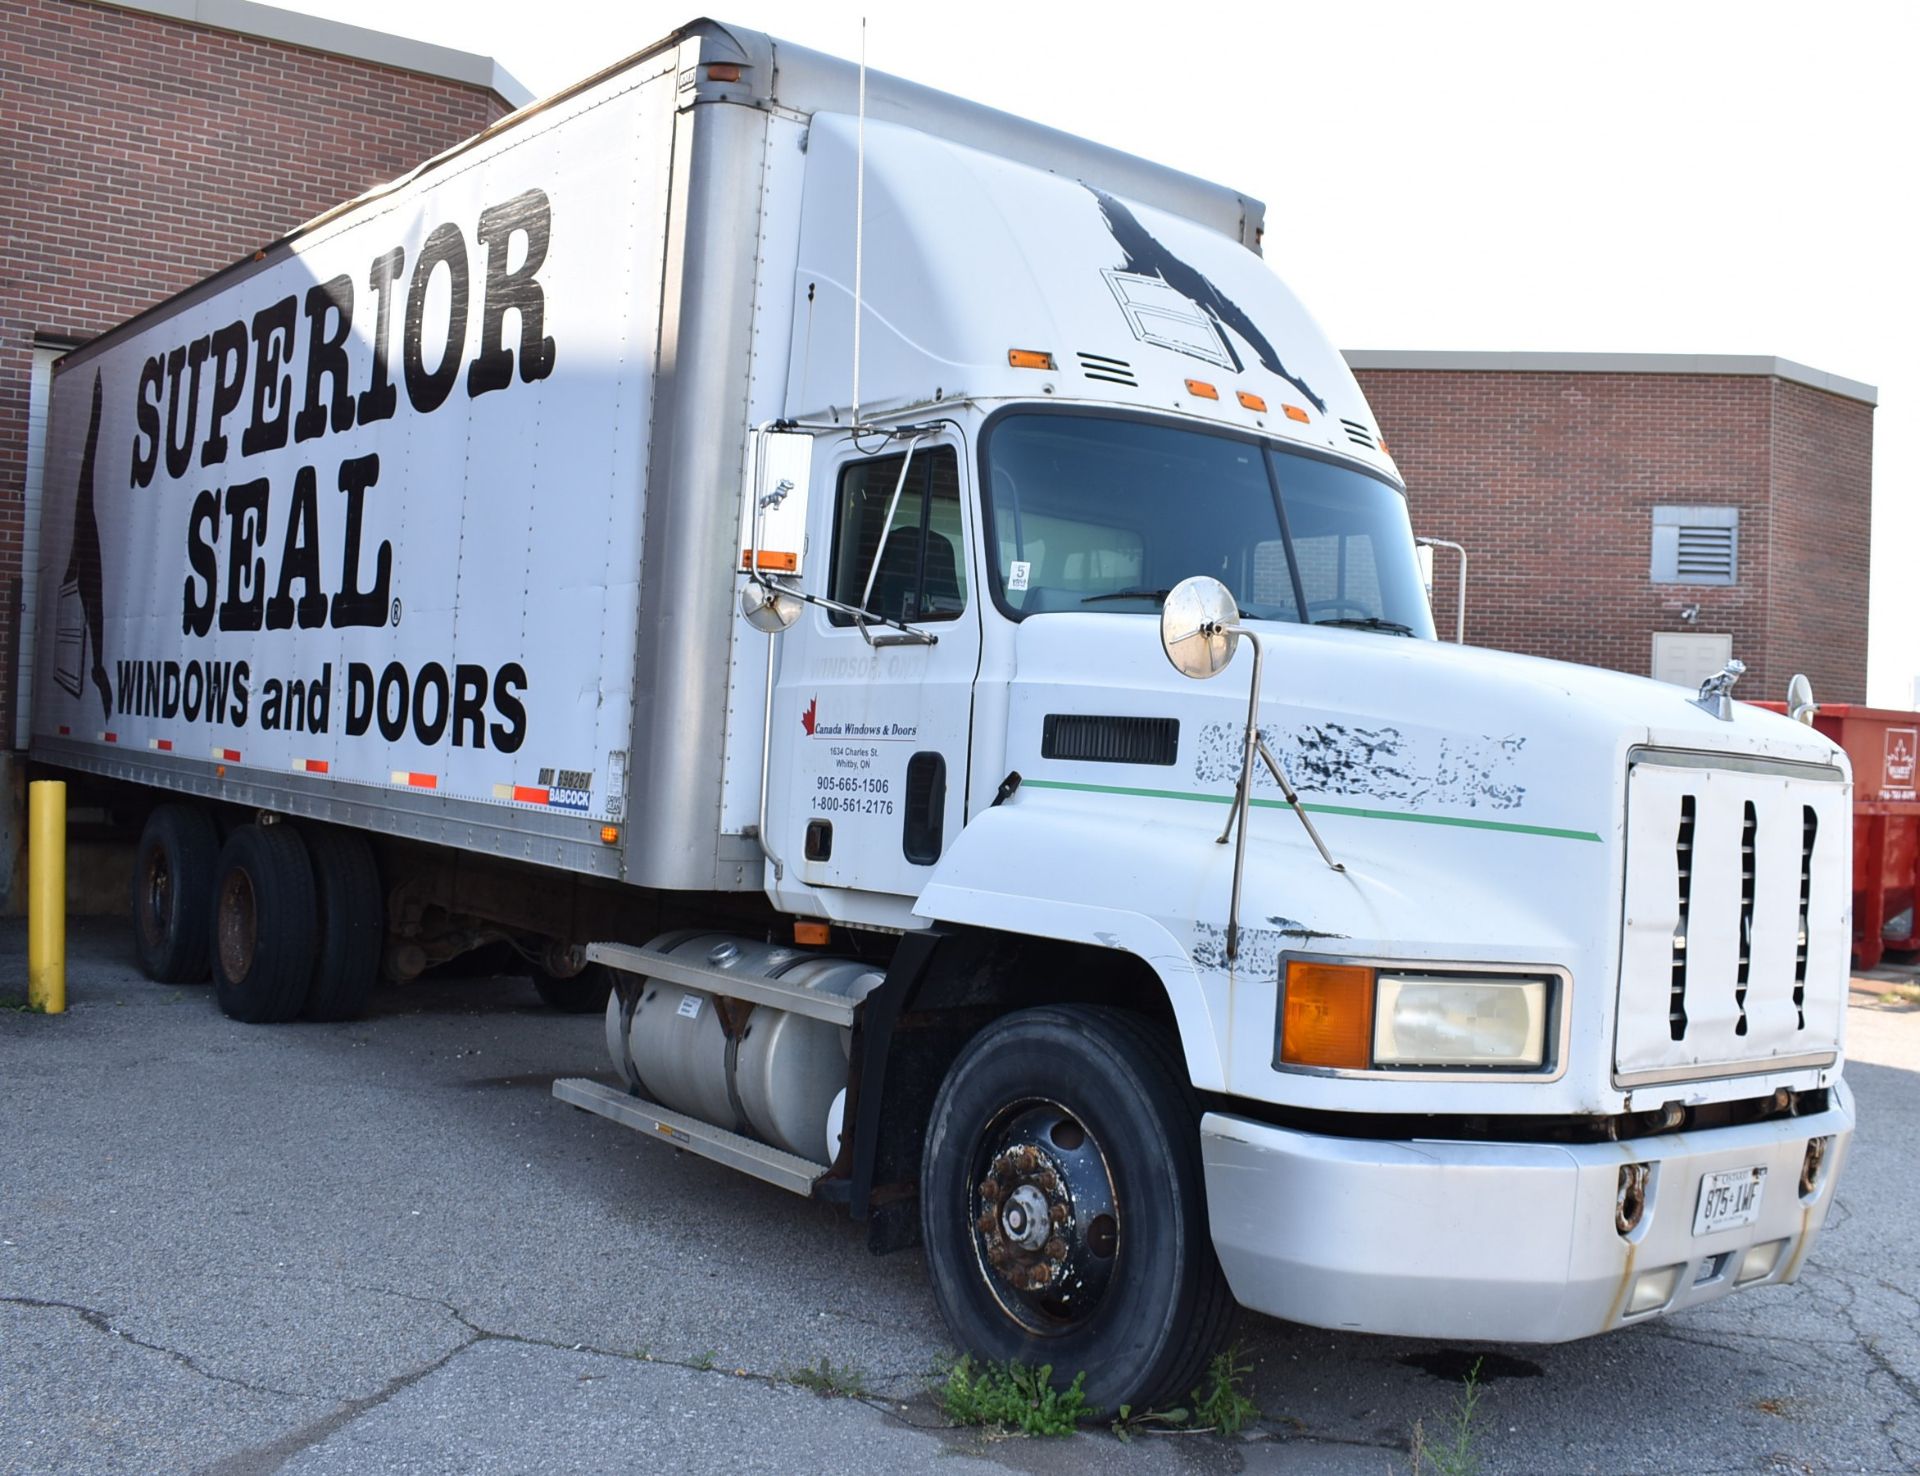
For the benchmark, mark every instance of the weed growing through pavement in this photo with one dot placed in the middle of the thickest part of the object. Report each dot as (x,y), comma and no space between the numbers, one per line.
(1450,1452)
(827,1378)
(705,1361)
(1013,1396)
(1224,1405)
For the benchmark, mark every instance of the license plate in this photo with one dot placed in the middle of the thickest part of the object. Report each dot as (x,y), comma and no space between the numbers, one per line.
(1728,1199)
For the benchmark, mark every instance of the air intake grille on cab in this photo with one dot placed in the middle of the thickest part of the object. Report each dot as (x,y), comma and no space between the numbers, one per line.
(1358,434)
(1110,740)
(1106,370)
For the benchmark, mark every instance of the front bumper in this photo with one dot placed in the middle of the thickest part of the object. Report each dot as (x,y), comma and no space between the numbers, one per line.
(1499,1242)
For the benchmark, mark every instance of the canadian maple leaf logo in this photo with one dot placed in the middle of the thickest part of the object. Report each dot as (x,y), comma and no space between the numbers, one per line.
(810,716)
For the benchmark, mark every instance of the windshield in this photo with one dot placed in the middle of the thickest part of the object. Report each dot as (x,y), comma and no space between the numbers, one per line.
(1095,512)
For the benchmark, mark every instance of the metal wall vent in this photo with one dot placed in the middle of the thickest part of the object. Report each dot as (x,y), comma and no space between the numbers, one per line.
(1106,370)
(1696,545)
(1704,555)
(1359,434)
(1110,740)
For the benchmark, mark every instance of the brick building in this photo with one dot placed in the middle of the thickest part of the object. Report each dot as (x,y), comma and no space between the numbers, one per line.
(147,143)
(1652,513)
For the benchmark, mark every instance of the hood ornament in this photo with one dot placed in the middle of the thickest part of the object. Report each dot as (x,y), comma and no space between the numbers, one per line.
(1716,692)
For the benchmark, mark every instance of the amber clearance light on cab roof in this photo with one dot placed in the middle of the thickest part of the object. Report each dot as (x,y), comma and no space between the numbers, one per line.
(1201,390)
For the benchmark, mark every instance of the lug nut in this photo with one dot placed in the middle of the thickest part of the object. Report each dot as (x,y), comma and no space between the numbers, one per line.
(1048,1182)
(985,1223)
(1058,1214)
(1056,1249)
(1039,1276)
(990,1189)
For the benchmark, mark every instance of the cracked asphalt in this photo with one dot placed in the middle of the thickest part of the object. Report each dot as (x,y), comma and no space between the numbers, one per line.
(383,1247)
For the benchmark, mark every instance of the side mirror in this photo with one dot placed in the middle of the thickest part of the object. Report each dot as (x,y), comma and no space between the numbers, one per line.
(774,521)
(1197,627)
(1800,704)
(769,608)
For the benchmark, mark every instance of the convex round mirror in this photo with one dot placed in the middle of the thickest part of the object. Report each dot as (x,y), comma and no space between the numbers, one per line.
(1800,704)
(1194,625)
(767,608)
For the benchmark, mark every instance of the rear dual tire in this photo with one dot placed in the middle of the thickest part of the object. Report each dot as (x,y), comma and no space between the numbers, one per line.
(173,870)
(265,913)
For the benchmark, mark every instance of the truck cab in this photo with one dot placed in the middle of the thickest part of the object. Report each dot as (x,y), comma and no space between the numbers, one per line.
(1523,1023)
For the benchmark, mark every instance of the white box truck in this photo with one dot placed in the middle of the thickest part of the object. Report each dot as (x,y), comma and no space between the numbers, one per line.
(800,550)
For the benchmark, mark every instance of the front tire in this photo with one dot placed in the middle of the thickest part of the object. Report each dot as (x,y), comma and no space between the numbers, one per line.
(173,892)
(1063,1206)
(263,924)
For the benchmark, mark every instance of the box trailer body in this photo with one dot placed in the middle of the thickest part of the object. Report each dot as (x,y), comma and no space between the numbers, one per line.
(438,520)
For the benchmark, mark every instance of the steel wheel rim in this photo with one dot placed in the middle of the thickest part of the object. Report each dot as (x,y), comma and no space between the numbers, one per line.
(1043,1216)
(239,925)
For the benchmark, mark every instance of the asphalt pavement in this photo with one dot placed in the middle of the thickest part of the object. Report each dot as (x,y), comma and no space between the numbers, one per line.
(384,1247)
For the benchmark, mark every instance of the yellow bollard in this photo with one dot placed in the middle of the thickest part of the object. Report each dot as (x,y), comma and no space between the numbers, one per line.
(47,896)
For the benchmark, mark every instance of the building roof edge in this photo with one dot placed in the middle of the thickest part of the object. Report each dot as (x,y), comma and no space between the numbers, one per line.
(316,33)
(1495,362)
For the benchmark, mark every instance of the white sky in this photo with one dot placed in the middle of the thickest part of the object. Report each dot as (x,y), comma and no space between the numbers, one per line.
(1675,177)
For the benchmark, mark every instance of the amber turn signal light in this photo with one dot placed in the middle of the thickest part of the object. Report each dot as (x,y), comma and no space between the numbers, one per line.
(1029,359)
(1326,1015)
(810,934)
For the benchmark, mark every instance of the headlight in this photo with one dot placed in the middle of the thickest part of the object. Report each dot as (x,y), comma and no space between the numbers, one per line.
(1354,1017)
(1432,1020)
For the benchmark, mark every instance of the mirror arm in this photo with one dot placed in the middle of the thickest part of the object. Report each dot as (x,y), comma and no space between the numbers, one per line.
(1243,793)
(886,525)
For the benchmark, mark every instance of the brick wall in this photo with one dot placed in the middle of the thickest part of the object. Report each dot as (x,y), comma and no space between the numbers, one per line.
(138,154)
(1822,489)
(1550,480)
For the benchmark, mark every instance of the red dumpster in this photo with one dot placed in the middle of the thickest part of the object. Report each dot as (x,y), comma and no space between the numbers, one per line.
(1883,744)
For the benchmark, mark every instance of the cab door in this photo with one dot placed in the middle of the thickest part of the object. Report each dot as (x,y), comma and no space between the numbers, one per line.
(871,731)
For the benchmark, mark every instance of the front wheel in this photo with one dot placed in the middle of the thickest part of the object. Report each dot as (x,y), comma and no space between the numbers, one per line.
(1063,1207)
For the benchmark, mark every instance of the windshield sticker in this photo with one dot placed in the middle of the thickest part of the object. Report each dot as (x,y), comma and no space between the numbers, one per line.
(1017,575)
(1334,759)
(1190,318)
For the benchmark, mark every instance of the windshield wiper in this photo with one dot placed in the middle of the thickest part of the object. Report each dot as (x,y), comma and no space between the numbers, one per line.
(1370,622)
(1156,595)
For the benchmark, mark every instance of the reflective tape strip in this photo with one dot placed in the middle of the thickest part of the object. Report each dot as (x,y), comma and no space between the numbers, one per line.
(309,766)
(227,755)
(520,794)
(109,737)
(416,781)
(65,731)
(161,745)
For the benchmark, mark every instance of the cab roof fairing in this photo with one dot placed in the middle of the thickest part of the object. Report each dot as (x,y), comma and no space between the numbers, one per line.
(967,255)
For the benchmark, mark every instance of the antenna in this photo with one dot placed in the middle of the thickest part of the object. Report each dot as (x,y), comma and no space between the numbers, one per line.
(859,215)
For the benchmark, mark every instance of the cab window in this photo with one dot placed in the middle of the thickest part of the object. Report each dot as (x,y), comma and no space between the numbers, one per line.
(923,570)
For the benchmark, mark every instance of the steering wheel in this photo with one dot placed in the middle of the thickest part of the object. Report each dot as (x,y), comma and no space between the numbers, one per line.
(1359,610)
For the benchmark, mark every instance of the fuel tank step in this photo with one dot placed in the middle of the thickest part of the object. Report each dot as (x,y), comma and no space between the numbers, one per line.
(734,984)
(785,1170)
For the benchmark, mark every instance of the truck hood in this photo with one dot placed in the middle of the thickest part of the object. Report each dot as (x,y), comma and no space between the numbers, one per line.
(1364,720)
